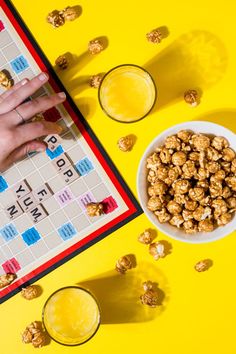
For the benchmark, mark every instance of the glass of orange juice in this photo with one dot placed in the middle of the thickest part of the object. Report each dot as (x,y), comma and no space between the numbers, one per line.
(127,93)
(71,316)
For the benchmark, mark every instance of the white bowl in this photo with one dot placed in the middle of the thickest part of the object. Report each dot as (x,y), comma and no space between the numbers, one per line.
(197,127)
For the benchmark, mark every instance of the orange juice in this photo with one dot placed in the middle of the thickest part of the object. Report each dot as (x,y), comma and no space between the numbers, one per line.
(127,93)
(71,316)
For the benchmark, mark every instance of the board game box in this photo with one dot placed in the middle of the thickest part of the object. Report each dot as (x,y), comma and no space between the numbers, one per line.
(43,219)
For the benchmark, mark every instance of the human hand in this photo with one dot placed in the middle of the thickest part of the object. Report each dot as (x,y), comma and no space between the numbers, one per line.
(18,139)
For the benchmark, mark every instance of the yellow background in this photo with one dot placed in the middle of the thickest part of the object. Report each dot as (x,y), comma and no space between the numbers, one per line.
(199,309)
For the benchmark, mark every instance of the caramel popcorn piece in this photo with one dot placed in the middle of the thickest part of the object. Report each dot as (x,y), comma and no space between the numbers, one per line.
(148,285)
(95,46)
(190,204)
(184,135)
(5,81)
(172,142)
(157,250)
(231,182)
(150,298)
(154,203)
(191,98)
(224,219)
(154,36)
(56,18)
(94,209)
(187,215)
(160,188)
(189,169)
(70,13)
(181,186)
(190,227)
(162,215)
(125,143)
(29,293)
(95,81)
(123,264)
(200,142)
(174,208)
(203,265)
(6,279)
(220,207)
(34,334)
(196,193)
(153,161)
(179,158)
(213,154)
(165,155)
(233,166)
(177,220)
(146,237)
(62,62)
(201,213)
(231,202)
(228,154)
(219,143)
(205,225)
(162,172)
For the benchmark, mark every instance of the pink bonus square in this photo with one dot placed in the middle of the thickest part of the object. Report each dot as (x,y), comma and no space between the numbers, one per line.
(11,266)
(1,26)
(109,204)
(64,197)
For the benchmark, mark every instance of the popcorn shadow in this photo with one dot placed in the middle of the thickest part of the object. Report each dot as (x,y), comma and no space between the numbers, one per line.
(119,295)
(82,83)
(196,60)
(224,116)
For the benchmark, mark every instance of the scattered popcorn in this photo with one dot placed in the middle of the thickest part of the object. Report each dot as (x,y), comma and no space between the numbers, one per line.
(126,143)
(95,81)
(6,279)
(150,298)
(30,292)
(70,13)
(62,62)
(123,264)
(34,334)
(5,81)
(56,18)
(203,265)
(157,250)
(154,36)
(191,97)
(95,46)
(94,209)
(146,237)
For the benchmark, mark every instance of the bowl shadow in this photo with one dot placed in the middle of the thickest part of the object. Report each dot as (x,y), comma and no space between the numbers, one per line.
(224,116)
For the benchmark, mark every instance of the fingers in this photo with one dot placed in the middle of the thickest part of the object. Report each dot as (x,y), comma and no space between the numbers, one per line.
(23,92)
(21,152)
(13,89)
(31,108)
(31,131)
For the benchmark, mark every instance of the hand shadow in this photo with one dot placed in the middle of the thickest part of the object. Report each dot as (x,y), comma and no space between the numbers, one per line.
(119,295)
(224,116)
(196,60)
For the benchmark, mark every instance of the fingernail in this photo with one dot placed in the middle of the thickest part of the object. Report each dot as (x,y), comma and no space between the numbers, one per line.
(41,149)
(61,95)
(23,82)
(43,77)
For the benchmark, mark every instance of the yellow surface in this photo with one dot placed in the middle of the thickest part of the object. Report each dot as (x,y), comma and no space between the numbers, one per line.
(199,309)
(127,93)
(71,316)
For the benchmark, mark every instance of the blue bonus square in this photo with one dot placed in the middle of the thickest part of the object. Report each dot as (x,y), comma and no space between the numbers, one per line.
(3,184)
(67,231)
(19,64)
(84,166)
(9,232)
(31,236)
(57,152)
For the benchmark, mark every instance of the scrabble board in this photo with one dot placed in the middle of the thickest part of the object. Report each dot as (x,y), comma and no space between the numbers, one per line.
(43,219)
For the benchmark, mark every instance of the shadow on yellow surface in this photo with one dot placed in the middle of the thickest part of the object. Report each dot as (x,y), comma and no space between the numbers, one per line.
(225,117)
(196,60)
(119,295)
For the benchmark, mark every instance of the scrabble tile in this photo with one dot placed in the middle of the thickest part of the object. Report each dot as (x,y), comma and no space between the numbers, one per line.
(84,166)
(28,202)
(64,197)
(52,141)
(31,236)
(42,193)
(37,213)
(11,266)
(67,231)
(9,232)
(3,184)
(13,211)
(61,162)
(19,64)
(109,204)
(69,174)
(21,189)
